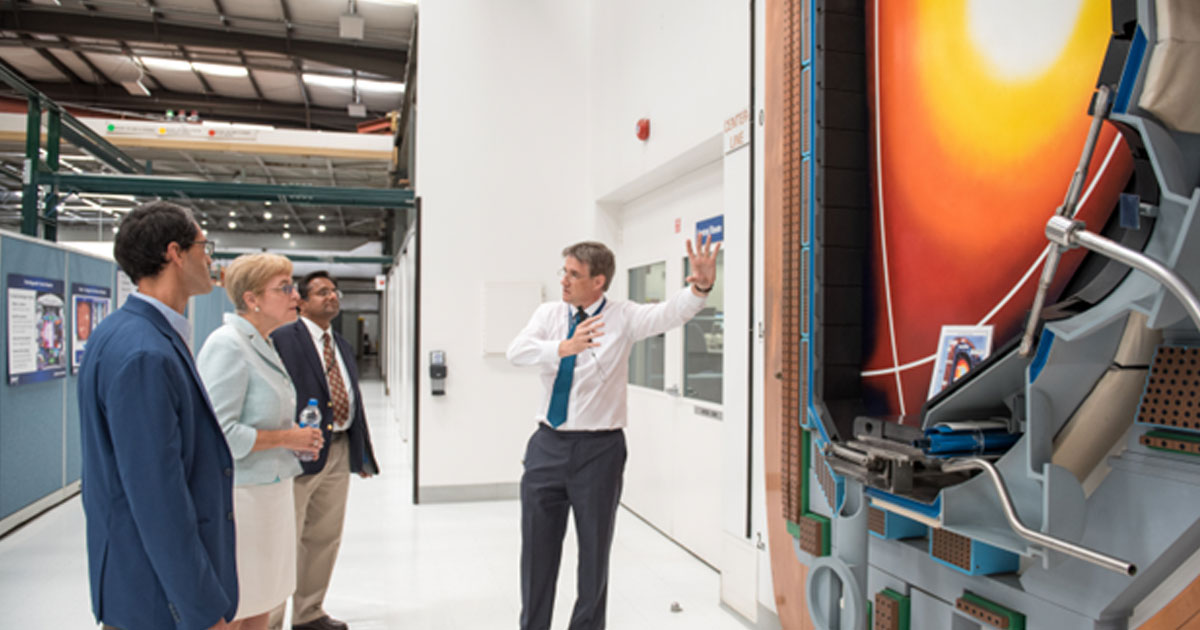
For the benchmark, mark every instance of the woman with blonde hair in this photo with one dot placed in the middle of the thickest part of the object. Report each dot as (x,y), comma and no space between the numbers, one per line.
(254,400)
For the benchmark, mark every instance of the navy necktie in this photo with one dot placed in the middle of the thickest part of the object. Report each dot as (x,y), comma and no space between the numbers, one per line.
(562,381)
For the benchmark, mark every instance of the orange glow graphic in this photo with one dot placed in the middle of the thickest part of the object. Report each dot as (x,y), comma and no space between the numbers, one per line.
(979,115)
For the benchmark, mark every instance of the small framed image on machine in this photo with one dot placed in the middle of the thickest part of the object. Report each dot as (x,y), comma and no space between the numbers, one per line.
(959,349)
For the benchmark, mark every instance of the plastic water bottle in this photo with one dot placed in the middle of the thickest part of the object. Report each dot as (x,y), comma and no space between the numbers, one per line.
(310,416)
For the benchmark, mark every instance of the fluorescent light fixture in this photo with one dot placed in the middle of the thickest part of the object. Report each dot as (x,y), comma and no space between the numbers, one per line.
(160,63)
(220,69)
(325,80)
(287,226)
(232,225)
(321,217)
(287,235)
(381,86)
(267,216)
(320,228)
(107,196)
(232,213)
(136,88)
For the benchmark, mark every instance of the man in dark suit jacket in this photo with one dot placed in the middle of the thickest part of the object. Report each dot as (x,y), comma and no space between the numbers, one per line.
(321,364)
(157,474)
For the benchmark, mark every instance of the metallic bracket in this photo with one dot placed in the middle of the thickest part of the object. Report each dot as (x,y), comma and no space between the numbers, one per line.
(1068,233)
(1014,521)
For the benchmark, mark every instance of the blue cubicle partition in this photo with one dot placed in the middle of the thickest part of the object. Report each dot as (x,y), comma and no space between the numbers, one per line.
(207,313)
(39,422)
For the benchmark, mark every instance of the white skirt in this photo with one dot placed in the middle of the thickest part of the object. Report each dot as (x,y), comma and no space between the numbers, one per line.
(265,519)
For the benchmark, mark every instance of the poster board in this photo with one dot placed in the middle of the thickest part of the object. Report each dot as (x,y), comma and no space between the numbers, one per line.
(37,347)
(89,305)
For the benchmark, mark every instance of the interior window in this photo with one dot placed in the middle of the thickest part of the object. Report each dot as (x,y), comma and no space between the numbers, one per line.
(704,342)
(648,285)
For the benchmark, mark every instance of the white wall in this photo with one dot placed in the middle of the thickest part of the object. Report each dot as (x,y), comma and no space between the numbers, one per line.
(684,64)
(526,143)
(503,151)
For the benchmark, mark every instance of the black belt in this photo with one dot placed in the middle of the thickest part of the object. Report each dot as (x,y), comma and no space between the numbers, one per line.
(577,434)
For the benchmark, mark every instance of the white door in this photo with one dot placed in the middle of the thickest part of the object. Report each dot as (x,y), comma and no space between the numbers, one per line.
(674,475)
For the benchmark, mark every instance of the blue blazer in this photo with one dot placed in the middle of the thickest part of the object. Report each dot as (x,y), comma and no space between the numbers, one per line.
(157,480)
(295,346)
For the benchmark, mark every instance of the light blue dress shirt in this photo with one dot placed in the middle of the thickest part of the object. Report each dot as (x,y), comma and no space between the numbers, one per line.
(179,323)
(250,391)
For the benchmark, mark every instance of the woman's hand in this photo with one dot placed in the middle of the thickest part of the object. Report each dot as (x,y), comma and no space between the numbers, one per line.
(305,440)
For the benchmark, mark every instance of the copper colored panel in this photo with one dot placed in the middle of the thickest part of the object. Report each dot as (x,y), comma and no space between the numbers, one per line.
(1180,446)
(877,522)
(952,548)
(887,610)
(982,614)
(812,535)
(1172,396)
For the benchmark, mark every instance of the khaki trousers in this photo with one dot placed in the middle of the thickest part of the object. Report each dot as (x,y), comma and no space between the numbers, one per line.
(320,513)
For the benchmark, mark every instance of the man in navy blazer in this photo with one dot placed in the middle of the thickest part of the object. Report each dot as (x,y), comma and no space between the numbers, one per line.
(321,364)
(157,474)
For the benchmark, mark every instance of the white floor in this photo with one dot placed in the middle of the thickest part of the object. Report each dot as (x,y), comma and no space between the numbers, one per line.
(428,567)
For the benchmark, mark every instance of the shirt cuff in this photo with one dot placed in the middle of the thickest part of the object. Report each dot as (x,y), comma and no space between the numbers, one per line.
(548,351)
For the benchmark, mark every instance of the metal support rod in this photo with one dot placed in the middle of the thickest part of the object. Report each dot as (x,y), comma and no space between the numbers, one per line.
(29,182)
(1072,234)
(1099,113)
(1045,540)
(50,203)
(53,138)
(1068,209)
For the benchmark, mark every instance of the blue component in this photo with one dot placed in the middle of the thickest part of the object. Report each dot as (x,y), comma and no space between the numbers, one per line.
(985,559)
(896,527)
(932,510)
(942,441)
(1130,211)
(1133,67)
(1043,355)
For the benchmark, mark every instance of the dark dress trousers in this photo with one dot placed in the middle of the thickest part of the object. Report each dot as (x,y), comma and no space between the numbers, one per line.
(295,347)
(157,480)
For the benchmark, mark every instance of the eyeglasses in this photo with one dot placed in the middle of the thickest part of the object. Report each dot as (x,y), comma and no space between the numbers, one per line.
(209,247)
(574,275)
(324,293)
(284,289)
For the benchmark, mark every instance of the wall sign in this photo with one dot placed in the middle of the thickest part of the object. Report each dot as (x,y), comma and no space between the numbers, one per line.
(37,347)
(737,131)
(714,228)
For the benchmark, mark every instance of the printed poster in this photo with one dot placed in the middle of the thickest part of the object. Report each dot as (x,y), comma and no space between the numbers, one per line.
(960,349)
(125,287)
(89,305)
(37,347)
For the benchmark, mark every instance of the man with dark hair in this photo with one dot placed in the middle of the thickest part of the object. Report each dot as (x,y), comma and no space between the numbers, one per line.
(321,365)
(575,459)
(157,474)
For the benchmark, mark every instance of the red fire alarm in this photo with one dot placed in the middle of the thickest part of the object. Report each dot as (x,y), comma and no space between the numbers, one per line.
(643,129)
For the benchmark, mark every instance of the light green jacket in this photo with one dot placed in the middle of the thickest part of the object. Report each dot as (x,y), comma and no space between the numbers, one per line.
(250,391)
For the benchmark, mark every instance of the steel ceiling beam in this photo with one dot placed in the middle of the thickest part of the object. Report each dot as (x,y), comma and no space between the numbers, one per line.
(73,130)
(382,60)
(197,189)
(210,106)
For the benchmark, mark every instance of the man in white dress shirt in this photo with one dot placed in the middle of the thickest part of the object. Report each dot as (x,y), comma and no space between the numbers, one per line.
(575,459)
